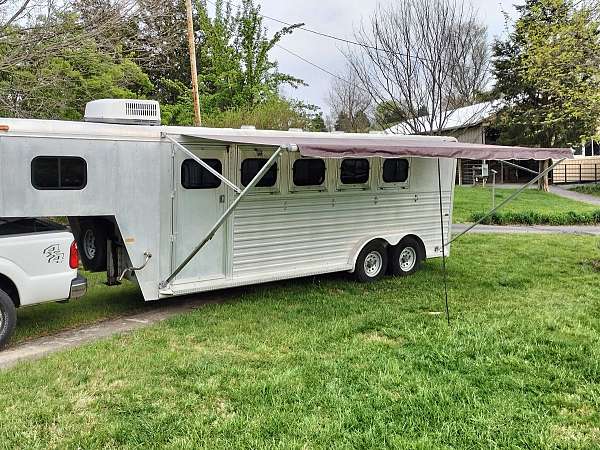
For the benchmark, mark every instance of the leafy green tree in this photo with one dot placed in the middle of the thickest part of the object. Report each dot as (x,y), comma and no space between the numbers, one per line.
(275,114)
(58,85)
(317,124)
(356,123)
(387,114)
(548,73)
(236,70)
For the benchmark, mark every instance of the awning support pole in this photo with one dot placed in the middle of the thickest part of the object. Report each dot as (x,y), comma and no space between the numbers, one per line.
(520,167)
(223,218)
(444,267)
(203,164)
(509,199)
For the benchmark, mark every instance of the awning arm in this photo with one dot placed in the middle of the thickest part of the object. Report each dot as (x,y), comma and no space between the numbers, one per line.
(203,164)
(224,217)
(512,197)
(516,166)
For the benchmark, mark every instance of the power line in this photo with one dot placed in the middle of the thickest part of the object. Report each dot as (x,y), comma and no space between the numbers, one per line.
(331,36)
(302,58)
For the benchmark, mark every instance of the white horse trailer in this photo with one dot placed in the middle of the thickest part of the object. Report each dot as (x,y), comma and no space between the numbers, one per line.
(186,210)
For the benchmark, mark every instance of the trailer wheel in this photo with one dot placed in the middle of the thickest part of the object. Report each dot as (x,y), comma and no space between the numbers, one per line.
(406,257)
(8,318)
(371,263)
(92,245)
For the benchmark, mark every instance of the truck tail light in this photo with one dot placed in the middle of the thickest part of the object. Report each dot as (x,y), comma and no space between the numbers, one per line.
(74,256)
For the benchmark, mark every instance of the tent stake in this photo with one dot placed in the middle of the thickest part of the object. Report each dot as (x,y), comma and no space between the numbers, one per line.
(444,269)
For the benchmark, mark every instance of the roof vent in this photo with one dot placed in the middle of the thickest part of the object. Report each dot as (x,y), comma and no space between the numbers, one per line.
(247,127)
(125,112)
(296,130)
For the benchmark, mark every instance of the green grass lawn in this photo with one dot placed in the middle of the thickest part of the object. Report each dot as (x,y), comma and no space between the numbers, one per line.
(590,189)
(468,200)
(325,362)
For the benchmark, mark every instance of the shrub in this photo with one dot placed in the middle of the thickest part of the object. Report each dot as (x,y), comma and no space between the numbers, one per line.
(536,218)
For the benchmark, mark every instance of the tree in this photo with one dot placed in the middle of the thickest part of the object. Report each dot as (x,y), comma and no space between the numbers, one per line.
(58,85)
(275,114)
(350,103)
(548,74)
(420,53)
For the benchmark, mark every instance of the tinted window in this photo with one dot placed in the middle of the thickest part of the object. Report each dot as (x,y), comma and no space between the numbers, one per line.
(62,172)
(354,171)
(309,172)
(251,167)
(194,176)
(395,170)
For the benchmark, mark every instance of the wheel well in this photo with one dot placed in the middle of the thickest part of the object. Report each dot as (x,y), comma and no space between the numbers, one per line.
(106,223)
(419,241)
(10,288)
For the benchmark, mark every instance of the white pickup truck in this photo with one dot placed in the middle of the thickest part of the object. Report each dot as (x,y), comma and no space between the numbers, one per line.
(38,264)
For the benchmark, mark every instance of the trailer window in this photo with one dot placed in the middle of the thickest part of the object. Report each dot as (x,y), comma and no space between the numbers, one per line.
(395,170)
(194,176)
(58,173)
(354,171)
(309,172)
(251,167)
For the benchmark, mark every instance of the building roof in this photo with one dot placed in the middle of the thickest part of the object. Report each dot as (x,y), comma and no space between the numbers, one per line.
(469,116)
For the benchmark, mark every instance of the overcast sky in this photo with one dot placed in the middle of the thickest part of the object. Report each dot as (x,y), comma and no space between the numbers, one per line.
(339,17)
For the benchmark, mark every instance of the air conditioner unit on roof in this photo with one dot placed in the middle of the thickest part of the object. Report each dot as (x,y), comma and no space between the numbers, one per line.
(123,111)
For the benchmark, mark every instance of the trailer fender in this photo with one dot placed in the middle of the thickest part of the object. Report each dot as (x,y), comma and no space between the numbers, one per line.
(388,240)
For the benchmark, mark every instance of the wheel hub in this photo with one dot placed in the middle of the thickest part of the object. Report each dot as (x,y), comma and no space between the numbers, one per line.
(373,264)
(408,259)
(89,244)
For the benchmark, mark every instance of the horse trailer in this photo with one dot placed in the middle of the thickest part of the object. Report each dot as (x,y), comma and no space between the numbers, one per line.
(183,210)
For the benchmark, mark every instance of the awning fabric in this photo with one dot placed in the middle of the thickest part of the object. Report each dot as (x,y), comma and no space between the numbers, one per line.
(330,145)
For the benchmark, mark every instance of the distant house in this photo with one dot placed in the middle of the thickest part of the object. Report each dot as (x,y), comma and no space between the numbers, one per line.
(473,124)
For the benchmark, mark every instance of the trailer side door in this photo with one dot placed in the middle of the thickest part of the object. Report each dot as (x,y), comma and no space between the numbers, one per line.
(200,202)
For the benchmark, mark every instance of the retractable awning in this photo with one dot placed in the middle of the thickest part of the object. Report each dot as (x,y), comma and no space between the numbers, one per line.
(325,145)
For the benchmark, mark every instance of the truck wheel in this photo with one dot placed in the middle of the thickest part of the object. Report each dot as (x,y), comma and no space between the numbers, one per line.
(406,257)
(92,246)
(8,318)
(372,263)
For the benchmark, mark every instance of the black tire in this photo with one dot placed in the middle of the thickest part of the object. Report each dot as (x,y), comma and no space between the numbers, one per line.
(92,245)
(406,257)
(8,318)
(371,263)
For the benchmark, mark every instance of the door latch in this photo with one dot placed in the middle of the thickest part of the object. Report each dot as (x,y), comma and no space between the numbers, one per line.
(222,198)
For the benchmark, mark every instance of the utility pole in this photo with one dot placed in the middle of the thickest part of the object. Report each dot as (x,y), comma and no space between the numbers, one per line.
(192,46)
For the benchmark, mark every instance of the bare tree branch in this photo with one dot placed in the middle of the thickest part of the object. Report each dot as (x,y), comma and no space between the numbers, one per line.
(422,59)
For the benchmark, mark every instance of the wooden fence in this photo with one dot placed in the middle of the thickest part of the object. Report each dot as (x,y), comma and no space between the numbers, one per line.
(577,171)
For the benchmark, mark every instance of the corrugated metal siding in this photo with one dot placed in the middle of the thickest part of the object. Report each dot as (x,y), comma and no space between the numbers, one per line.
(295,232)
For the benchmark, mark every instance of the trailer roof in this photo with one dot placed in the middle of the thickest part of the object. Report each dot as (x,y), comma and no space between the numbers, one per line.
(328,145)
(317,145)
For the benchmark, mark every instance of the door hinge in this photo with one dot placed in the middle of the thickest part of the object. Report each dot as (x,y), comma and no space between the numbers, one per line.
(173,237)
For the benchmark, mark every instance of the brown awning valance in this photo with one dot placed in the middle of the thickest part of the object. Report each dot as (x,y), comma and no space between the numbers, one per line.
(327,145)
